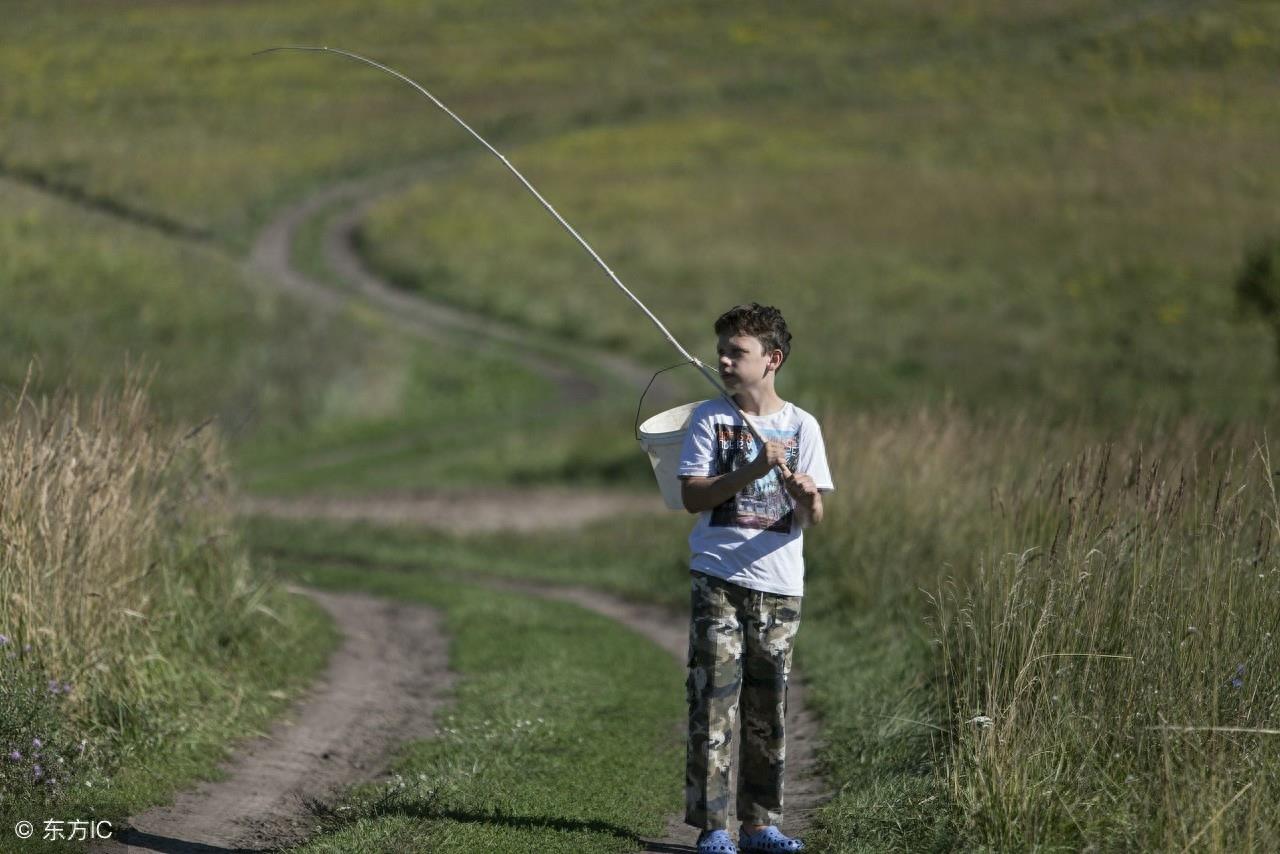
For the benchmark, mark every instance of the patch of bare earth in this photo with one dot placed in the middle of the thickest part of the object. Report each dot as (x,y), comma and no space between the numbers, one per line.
(469,511)
(380,689)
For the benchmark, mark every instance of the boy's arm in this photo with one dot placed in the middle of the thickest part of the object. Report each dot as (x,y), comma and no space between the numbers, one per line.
(707,493)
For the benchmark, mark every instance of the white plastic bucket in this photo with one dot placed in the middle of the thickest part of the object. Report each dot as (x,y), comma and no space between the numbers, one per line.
(661,437)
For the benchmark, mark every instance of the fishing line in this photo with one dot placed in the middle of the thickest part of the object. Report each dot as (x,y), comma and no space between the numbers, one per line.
(693,360)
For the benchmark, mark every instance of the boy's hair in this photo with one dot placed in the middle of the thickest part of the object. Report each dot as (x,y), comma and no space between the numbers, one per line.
(763,321)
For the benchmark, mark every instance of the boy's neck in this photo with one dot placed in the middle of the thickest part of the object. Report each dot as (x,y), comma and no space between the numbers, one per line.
(759,401)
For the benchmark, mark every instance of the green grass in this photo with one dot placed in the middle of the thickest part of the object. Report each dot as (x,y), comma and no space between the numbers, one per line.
(1033,211)
(560,736)
(1087,269)
(867,674)
(1082,601)
(194,706)
(86,294)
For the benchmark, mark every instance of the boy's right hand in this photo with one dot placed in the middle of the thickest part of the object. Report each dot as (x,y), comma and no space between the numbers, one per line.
(775,454)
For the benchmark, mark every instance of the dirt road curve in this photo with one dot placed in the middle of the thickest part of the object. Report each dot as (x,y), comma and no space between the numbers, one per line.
(391,672)
(380,689)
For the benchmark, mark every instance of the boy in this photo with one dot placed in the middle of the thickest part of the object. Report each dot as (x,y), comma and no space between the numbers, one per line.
(748,576)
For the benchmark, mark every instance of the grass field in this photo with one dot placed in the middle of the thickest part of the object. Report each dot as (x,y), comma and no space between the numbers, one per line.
(1005,235)
(563,746)
(1014,645)
(1034,210)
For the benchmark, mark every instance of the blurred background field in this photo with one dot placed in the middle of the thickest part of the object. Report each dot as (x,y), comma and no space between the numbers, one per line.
(1006,237)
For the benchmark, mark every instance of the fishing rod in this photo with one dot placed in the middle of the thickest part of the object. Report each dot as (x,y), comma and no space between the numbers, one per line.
(693,360)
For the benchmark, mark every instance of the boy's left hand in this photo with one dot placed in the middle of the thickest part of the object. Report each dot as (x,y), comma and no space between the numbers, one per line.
(800,486)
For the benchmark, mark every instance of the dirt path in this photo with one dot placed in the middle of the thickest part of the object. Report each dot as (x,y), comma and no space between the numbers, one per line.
(380,689)
(271,262)
(414,313)
(501,509)
(343,730)
(471,511)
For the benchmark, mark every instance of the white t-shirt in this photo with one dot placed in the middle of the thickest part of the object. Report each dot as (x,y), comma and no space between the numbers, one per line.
(753,539)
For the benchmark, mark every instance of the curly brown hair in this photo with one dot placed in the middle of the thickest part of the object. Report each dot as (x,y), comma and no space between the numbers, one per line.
(762,321)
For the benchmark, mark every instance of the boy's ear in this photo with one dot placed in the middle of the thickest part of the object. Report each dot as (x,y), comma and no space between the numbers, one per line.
(775,359)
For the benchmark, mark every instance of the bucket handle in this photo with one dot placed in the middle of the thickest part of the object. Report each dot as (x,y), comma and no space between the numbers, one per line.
(640,405)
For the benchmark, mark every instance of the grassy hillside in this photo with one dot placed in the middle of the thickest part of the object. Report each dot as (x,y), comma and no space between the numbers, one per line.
(1005,204)
(1018,223)
(1050,214)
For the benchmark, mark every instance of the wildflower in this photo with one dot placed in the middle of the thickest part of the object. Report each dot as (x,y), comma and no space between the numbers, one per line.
(1237,681)
(37,771)
(4,640)
(37,743)
(15,755)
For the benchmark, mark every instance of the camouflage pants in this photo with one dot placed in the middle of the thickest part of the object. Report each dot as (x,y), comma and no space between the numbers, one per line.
(740,644)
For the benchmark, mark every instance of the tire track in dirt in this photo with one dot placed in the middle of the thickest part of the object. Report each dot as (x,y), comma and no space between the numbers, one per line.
(470,511)
(271,262)
(380,689)
(415,313)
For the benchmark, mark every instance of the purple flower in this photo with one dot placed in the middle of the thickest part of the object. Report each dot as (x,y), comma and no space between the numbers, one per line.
(4,639)
(37,743)
(15,755)
(37,771)
(53,686)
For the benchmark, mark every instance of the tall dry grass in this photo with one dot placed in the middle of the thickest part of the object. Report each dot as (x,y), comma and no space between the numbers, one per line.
(1104,619)
(113,539)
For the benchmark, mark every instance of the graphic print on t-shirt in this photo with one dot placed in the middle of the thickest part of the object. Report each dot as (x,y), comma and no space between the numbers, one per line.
(763,504)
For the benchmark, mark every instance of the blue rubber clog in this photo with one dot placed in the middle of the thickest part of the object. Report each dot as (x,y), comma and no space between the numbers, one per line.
(770,840)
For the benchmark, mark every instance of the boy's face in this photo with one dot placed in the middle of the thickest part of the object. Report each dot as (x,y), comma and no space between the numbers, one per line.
(743,361)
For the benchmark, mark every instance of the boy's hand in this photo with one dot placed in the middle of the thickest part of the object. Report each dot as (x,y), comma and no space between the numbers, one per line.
(775,454)
(800,486)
